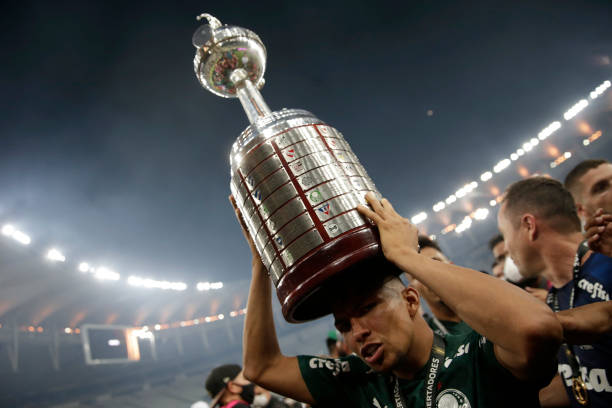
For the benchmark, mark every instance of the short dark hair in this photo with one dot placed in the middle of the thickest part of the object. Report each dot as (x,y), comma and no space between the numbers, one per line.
(545,197)
(573,177)
(495,240)
(425,242)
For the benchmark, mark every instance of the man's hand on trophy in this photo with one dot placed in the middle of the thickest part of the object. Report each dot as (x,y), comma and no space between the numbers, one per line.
(398,235)
(598,232)
(245,231)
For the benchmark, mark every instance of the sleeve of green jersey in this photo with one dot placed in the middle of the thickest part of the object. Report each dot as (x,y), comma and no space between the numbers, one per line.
(326,379)
(491,365)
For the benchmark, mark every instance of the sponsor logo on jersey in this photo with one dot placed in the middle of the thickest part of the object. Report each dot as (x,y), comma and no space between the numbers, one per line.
(335,366)
(462,350)
(596,290)
(596,379)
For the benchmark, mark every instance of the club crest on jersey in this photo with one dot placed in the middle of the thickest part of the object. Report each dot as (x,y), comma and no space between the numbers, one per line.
(452,398)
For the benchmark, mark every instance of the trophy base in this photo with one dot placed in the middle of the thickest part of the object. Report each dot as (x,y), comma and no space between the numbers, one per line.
(301,291)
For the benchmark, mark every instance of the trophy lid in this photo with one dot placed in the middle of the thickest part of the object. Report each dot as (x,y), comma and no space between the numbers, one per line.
(222,49)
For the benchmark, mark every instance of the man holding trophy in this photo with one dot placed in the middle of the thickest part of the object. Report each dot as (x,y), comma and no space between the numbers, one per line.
(300,194)
(399,361)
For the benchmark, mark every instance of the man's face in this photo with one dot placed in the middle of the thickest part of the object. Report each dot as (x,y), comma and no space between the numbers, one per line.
(518,245)
(499,253)
(378,326)
(595,191)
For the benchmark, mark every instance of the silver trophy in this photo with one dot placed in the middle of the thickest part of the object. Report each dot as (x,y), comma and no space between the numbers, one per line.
(295,179)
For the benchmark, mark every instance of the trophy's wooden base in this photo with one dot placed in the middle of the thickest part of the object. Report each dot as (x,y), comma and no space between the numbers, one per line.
(301,290)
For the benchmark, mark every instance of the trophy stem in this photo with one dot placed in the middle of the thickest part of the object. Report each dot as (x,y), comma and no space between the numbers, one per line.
(252,102)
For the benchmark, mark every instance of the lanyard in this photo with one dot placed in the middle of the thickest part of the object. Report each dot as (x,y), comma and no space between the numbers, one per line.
(431,391)
(438,324)
(579,388)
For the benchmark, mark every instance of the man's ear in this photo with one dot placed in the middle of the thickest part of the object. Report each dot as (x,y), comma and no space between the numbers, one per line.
(583,214)
(411,296)
(529,222)
(233,387)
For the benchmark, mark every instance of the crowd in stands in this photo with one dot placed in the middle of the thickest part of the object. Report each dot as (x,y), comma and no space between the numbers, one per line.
(535,331)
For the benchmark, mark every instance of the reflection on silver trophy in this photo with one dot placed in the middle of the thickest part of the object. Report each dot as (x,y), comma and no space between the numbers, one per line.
(295,179)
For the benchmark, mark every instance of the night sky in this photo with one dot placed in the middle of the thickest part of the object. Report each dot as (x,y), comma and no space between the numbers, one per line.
(111,150)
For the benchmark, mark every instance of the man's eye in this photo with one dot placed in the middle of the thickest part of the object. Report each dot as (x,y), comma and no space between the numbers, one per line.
(343,327)
(601,186)
(367,307)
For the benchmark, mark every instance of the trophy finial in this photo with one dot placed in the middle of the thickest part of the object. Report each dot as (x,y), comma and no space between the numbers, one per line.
(213,22)
(222,49)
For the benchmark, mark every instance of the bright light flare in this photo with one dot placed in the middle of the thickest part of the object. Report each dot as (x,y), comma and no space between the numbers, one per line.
(499,167)
(84,267)
(201,286)
(600,89)
(439,206)
(8,230)
(481,213)
(419,218)
(486,176)
(103,273)
(19,236)
(549,130)
(574,110)
(55,255)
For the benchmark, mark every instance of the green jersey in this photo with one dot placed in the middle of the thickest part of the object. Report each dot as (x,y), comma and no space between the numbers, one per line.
(453,328)
(470,377)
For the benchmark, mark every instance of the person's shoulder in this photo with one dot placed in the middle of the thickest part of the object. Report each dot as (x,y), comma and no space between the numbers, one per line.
(599,267)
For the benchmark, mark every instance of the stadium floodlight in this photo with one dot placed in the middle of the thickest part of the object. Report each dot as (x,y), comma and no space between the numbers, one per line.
(480,214)
(180,286)
(514,157)
(220,316)
(216,285)
(486,176)
(84,267)
(574,110)
(501,165)
(439,206)
(419,218)
(8,230)
(534,141)
(55,255)
(520,152)
(67,330)
(567,155)
(104,273)
(21,237)
(493,203)
(600,89)
(451,199)
(527,146)
(203,286)
(549,130)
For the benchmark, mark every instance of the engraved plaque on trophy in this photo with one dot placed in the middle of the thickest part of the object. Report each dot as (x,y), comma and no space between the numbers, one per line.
(295,178)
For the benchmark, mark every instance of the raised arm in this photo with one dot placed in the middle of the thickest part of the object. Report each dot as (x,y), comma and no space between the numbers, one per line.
(263,362)
(586,324)
(524,330)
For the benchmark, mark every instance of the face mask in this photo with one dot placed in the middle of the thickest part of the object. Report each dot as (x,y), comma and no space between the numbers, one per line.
(261,401)
(248,393)
(511,271)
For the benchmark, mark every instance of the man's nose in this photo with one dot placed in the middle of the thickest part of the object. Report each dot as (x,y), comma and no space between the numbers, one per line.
(360,331)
